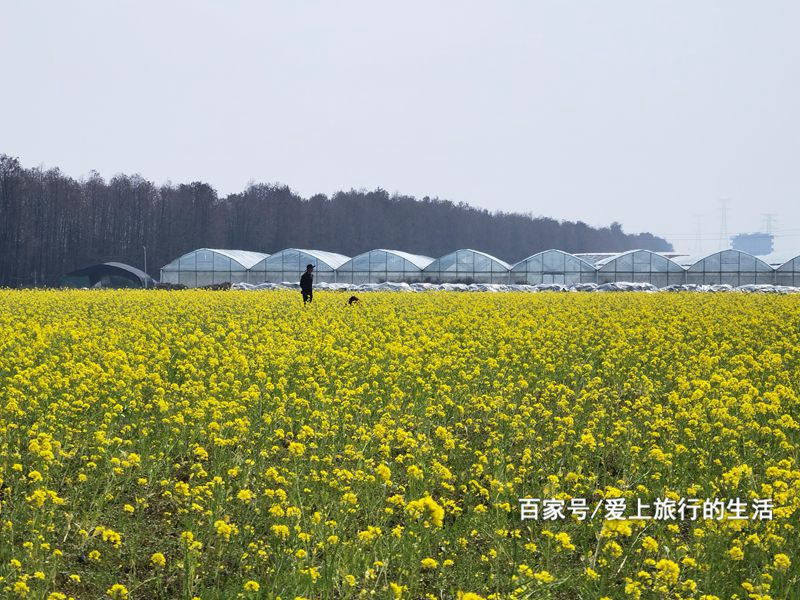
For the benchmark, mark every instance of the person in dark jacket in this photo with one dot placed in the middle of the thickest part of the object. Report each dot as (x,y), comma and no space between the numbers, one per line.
(306,283)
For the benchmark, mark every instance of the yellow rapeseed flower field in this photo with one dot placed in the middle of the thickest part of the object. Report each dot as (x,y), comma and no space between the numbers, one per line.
(215,445)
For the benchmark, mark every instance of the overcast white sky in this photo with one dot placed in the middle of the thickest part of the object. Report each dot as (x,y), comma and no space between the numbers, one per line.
(647,113)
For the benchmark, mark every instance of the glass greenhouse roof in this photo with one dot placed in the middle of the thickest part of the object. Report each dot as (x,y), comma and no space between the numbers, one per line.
(776,259)
(416,260)
(331,259)
(554,259)
(726,260)
(731,267)
(454,257)
(638,260)
(597,258)
(792,264)
(245,258)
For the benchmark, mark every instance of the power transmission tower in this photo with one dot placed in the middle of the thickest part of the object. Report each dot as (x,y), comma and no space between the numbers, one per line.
(769,219)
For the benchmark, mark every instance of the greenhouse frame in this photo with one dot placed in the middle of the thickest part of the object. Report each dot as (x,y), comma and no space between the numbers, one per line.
(553,266)
(109,274)
(210,266)
(467,266)
(640,266)
(730,267)
(287,266)
(381,265)
(788,273)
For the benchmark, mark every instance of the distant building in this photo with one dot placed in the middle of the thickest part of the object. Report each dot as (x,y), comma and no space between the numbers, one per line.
(757,244)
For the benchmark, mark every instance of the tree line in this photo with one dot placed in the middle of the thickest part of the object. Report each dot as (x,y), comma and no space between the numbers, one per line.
(51,224)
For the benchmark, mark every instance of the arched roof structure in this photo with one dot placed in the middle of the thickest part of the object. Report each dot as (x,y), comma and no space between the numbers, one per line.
(208,266)
(731,267)
(788,273)
(640,266)
(289,264)
(467,266)
(377,266)
(109,274)
(553,266)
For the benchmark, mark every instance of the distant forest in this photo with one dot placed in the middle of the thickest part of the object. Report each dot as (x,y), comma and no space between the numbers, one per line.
(51,224)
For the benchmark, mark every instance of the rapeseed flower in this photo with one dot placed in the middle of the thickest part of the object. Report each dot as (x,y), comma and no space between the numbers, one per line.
(303,451)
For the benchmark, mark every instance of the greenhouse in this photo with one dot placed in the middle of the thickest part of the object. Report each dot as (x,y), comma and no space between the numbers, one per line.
(289,264)
(209,266)
(788,273)
(640,266)
(553,266)
(110,274)
(467,266)
(378,266)
(731,267)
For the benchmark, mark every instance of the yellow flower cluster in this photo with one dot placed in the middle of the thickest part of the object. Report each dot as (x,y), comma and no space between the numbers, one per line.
(238,445)
(428,510)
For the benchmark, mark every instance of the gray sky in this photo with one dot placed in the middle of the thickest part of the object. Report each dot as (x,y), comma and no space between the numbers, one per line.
(647,113)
